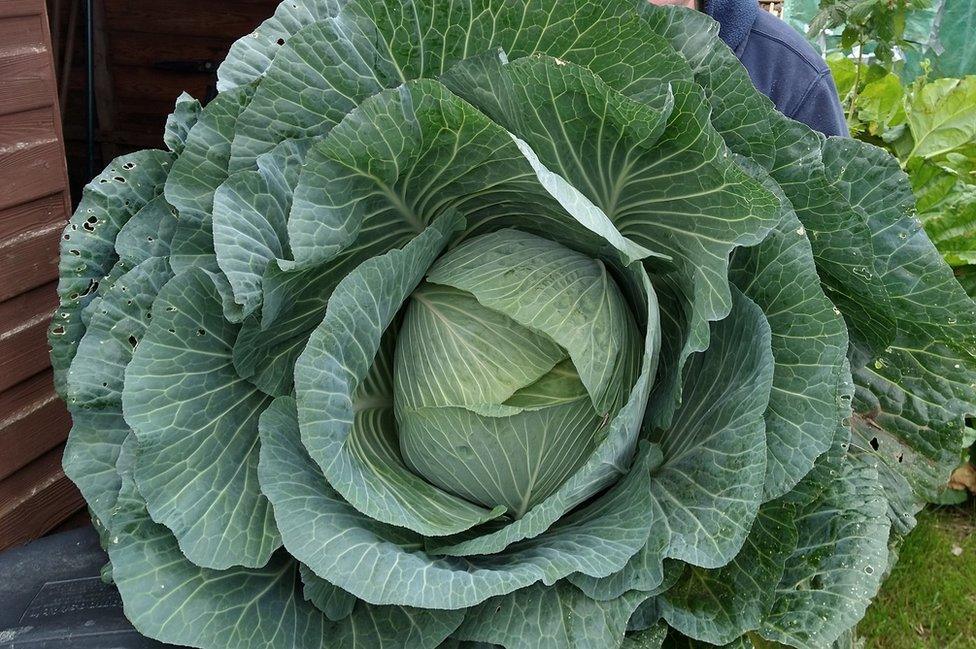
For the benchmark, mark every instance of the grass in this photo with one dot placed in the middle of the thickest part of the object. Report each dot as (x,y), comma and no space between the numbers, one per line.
(929,601)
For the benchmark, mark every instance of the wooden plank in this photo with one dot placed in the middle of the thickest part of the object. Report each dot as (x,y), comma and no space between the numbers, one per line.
(67,62)
(23,334)
(31,173)
(126,138)
(26,217)
(33,420)
(34,493)
(15,8)
(24,73)
(36,499)
(19,34)
(56,31)
(189,17)
(141,83)
(32,164)
(22,94)
(29,260)
(104,88)
(148,50)
(25,129)
(24,66)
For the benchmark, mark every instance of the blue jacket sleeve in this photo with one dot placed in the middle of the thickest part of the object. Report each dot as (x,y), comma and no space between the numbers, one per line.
(820,109)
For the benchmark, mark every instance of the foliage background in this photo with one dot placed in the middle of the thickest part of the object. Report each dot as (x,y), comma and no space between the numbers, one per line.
(920,105)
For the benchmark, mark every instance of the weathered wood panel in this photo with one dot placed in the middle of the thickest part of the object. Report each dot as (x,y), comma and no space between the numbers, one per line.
(154,51)
(29,259)
(23,340)
(35,496)
(228,20)
(36,499)
(33,422)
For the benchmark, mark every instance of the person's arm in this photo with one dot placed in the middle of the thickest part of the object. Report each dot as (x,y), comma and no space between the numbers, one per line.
(820,108)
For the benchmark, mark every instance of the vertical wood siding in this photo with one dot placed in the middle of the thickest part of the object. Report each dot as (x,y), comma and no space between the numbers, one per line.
(152,51)
(35,495)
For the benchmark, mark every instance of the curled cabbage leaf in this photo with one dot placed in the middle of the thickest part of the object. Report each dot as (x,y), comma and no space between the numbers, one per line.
(502,323)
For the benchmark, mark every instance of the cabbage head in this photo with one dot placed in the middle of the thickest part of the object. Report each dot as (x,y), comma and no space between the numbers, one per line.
(503,323)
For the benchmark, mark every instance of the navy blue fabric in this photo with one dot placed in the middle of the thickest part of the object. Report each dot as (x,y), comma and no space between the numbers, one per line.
(781,63)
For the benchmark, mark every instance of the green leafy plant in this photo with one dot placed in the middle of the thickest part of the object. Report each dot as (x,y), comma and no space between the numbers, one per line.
(503,324)
(930,126)
(880,24)
(949,47)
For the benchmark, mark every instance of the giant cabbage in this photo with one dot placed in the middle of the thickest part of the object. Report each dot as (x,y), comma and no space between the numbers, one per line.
(502,323)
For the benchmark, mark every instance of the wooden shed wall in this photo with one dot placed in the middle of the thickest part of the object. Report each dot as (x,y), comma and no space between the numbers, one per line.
(147,53)
(34,203)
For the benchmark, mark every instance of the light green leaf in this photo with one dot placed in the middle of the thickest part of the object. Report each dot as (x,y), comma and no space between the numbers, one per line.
(843,70)
(196,423)
(180,121)
(199,170)
(559,385)
(942,116)
(880,104)
(953,231)
(604,466)
(809,342)
(148,233)
(530,279)
(350,432)
(95,380)
(711,482)
(384,564)
(456,351)
(88,244)
(840,556)
(170,599)
(912,400)
(933,186)
(250,213)
(560,617)
(510,460)
(249,57)
(718,606)
(336,603)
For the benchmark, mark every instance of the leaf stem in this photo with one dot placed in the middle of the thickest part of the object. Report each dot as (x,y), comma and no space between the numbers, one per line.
(857,81)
